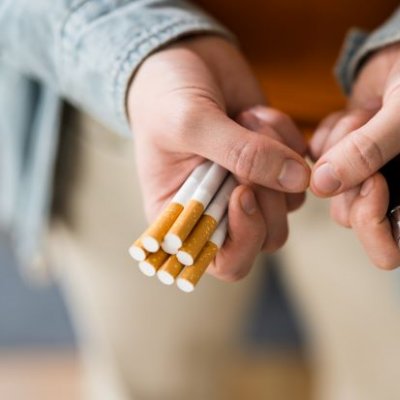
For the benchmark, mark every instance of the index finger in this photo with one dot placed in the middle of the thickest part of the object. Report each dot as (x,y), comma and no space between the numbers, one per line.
(361,153)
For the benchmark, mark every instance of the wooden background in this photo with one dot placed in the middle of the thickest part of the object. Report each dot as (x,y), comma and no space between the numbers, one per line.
(293,45)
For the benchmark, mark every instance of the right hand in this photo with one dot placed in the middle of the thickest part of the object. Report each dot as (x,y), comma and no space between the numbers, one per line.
(352,145)
(180,105)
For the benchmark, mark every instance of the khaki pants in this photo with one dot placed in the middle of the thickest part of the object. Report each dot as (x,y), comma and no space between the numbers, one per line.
(350,309)
(142,340)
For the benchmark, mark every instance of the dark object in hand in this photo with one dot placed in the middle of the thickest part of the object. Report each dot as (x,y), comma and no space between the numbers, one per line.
(391,171)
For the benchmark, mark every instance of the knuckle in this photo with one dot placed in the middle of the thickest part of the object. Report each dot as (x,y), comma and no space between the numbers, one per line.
(245,159)
(365,154)
(361,217)
(277,240)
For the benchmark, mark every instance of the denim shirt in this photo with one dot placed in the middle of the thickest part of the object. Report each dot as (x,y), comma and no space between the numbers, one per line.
(85,51)
(359,45)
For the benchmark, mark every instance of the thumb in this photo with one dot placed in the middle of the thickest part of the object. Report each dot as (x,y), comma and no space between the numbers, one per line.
(360,154)
(255,158)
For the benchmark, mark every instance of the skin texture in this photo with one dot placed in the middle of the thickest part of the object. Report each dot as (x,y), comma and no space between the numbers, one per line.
(182,103)
(354,144)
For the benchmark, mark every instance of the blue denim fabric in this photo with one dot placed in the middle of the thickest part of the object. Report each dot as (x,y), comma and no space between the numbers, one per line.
(359,45)
(29,119)
(86,52)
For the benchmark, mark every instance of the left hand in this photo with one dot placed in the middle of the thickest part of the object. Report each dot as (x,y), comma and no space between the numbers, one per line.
(352,145)
(181,103)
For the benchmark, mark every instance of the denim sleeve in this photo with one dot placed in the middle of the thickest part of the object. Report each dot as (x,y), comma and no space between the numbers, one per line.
(359,45)
(87,50)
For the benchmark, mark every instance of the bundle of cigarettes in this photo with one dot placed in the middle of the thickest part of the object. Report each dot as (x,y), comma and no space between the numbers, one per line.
(185,238)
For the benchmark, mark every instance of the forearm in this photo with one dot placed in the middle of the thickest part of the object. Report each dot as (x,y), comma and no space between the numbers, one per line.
(88,50)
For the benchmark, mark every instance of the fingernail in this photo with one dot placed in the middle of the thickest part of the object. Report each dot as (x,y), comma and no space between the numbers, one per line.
(325,179)
(367,187)
(250,121)
(248,202)
(293,176)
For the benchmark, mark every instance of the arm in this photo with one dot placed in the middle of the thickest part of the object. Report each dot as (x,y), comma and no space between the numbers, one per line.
(180,102)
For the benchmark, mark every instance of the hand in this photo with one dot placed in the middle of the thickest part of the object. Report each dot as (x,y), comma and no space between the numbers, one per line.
(181,104)
(352,145)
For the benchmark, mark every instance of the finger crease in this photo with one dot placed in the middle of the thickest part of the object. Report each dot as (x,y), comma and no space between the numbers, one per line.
(370,154)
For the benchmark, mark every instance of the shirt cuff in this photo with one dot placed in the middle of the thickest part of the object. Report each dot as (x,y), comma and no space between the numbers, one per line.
(134,55)
(101,49)
(359,45)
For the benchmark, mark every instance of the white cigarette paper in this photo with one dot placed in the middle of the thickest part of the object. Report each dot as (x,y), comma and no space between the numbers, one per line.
(207,224)
(189,187)
(190,276)
(154,235)
(192,212)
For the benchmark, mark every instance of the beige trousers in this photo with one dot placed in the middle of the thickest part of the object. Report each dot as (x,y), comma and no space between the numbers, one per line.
(350,309)
(142,340)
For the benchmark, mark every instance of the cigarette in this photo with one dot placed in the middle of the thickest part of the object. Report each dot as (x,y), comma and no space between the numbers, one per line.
(137,251)
(204,229)
(153,262)
(154,235)
(169,270)
(192,212)
(190,276)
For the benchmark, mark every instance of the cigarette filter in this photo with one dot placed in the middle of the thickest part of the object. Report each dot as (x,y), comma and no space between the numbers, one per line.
(154,235)
(188,218)
(169,270)
(153,262)
(190,276)
(137,251)
(207,224)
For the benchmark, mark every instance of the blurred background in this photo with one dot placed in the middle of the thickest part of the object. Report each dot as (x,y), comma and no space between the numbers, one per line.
(292,46)
(37,343)
(39,360)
